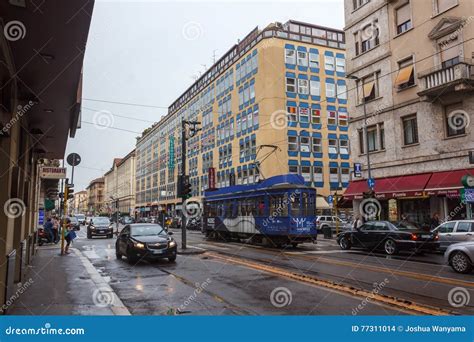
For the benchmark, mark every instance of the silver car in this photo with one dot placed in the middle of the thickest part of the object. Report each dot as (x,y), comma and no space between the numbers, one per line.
(460,256)
(331,221)
(455,231)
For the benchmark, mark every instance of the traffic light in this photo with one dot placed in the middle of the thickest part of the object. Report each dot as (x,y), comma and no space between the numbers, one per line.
(68,191)
(186,188)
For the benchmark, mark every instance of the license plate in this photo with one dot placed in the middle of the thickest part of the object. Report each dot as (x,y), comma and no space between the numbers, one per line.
(158,252)
(425,236)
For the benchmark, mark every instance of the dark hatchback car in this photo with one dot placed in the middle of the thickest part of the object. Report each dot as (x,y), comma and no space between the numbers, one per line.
(76,225)
(389,237)
(100,226)
(145,241)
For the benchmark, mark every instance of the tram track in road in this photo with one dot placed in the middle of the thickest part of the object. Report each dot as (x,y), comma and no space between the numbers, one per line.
(356,265)
(404,305)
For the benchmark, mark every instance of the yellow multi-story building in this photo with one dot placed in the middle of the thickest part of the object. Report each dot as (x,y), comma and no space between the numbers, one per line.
(275,103)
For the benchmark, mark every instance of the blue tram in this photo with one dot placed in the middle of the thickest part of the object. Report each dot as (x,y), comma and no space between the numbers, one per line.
(277,211)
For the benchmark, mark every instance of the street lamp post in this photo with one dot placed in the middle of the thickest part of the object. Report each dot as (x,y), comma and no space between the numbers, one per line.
(366,134)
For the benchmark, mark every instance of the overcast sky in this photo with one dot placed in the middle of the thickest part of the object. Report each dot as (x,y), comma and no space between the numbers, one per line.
(147,52)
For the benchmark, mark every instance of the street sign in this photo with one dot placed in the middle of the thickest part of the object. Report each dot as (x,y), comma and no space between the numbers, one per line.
(467,195)
(371,183)
(357,169)
(73,159)
(47,172)
(330,199)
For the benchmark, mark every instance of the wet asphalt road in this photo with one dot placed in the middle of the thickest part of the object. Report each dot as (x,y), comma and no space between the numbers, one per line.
(212,284)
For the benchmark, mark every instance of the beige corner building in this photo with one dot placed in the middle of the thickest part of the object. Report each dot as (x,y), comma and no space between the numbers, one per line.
(119,185)
(411,63)
(95,197)
(80,202)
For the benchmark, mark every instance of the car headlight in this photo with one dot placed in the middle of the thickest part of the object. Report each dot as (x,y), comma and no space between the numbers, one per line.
(139,245)
(92,227)
(172,243)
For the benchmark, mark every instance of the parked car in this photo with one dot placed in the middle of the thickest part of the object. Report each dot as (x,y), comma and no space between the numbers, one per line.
(331,221)
(100,226)
(127,220)
(384,235)
(81,218)
(144,240)
(460,256)
(455,231)
(76,225)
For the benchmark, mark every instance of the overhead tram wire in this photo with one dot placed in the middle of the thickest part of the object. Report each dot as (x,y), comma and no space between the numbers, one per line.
(125,103)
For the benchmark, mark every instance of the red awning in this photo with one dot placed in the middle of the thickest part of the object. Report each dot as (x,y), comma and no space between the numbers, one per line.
(447,182)
(355,190)
(391,187)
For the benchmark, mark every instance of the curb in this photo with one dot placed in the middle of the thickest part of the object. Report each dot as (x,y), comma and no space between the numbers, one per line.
(191,250)
(102,287)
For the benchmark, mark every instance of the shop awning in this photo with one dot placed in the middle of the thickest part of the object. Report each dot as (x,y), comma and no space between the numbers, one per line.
(446,183)
(321,203)
(391,187)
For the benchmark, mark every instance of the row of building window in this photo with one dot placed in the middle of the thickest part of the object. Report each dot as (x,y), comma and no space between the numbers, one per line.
(313,116)
(311,60)
(304,86)
(246,67)
(314,144)
(246,93)
(337,174)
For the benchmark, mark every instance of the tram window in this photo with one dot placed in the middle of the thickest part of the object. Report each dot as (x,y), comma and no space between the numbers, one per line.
(252,207)
(261,207)
(305,203)
(295,205)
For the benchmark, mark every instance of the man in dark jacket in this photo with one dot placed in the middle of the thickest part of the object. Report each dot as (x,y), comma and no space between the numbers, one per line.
(48,228)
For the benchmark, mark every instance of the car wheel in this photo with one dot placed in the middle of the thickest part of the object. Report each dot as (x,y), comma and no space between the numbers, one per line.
(172,259)
(460,263)
(390,247)
(132,259)
(345,243)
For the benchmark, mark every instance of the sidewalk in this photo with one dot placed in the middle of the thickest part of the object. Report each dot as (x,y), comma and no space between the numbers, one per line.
(64,285)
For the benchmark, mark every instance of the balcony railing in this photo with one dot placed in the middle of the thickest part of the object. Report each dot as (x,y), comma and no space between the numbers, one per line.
(446,78)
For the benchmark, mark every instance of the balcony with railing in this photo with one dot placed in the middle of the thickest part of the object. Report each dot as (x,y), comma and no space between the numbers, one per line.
(446,79)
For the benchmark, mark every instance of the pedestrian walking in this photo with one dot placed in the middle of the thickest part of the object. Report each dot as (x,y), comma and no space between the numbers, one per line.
(357,222)
(48,228)
(70,235)
(55,229)
(434,221)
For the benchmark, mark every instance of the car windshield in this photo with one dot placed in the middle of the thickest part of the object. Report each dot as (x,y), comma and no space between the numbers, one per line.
(73,219)
(148,230)
(100,220)
(80,217)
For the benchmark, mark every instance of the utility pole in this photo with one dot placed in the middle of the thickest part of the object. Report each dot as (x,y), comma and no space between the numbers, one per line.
(184,185)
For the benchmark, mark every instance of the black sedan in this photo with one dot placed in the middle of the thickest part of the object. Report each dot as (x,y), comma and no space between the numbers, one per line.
(100,226)
(384,235)
(145,241)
